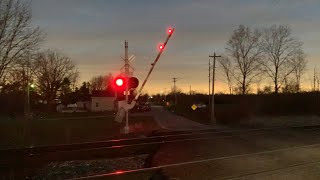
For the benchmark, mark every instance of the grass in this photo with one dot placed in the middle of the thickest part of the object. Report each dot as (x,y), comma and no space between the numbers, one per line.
(199,115)
(20,133)
(78,114)
(224,114)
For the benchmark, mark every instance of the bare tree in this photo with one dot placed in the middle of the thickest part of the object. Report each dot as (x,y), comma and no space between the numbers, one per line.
(243,47)
(289,86)
(22,72)
(279,48)
(52,69)
(227,69)
(100,82)
(17,35)
(299,63)
(265,90)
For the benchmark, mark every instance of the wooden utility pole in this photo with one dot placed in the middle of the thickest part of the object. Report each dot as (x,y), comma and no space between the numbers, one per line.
(165,95)
(209,80)
(314,79)
(175,90)
(213,119)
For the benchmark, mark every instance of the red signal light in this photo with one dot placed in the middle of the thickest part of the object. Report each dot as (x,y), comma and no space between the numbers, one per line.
(170,31)
(119,82)
(161,46)
(119,172)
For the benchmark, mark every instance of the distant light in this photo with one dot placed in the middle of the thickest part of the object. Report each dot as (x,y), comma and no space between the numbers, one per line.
(151,97)
(161,91)
(115,140)
(32,85)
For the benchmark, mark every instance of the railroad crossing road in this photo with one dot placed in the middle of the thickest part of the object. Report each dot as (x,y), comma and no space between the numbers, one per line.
(296,163)
(275,154)
(170,121)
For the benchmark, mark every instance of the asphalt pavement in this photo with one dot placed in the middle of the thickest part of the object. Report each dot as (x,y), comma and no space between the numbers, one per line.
(170,121)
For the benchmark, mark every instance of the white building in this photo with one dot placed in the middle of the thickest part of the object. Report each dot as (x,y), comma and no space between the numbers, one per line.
(102,104)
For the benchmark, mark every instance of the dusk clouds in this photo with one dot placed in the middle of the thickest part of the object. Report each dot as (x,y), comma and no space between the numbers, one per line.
(92,33)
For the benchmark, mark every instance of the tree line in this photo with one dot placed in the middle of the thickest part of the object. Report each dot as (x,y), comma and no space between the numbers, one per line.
(253,54)
(23,64)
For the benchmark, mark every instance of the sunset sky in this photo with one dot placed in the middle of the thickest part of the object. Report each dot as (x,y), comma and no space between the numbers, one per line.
(92,33)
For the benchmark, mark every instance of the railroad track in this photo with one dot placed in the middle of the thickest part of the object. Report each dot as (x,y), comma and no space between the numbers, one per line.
(34,157)
(233,172)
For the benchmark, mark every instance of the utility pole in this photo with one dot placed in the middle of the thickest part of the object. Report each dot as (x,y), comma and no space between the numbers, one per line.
(175,90)
(27,102)
(126,128)
(213,119)
(28,89)
(314,79)
(209,80)
(190,90)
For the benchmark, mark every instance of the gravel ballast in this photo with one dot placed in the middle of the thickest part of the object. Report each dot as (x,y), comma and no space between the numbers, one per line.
(75,169)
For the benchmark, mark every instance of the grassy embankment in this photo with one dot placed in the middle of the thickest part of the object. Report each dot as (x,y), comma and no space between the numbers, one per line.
(67,128)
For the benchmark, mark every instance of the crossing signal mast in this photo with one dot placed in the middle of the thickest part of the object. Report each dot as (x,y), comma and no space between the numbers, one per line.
(132,83)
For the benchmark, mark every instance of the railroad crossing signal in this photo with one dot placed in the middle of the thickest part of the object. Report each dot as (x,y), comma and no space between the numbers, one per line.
(122,110)
(120,86)
(120,82)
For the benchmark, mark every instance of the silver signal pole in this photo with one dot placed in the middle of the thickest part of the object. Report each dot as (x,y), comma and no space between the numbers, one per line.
(126,60)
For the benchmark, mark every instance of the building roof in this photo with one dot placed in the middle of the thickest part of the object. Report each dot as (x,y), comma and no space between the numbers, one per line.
(102,93)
